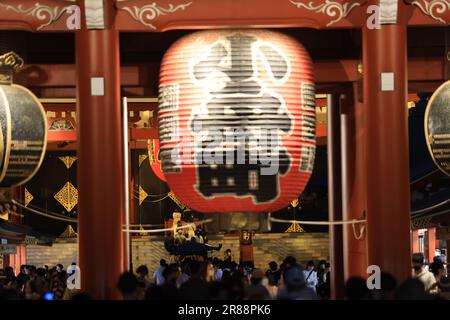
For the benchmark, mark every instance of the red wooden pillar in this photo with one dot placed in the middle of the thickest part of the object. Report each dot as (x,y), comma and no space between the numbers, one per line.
(353,183)
(415,241)
(431,243)
(386,146)
(100,158)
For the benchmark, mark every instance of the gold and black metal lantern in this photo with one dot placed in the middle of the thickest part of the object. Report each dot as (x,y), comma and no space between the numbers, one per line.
(437,127)
(23,134)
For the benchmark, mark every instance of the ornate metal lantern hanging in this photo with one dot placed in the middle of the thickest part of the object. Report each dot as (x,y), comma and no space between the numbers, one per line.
(23,134)
(237,120)
(437,127)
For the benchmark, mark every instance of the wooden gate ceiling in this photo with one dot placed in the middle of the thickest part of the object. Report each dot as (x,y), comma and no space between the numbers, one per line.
(163,15)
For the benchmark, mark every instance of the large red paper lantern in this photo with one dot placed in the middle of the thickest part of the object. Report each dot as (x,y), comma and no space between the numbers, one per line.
(237,120)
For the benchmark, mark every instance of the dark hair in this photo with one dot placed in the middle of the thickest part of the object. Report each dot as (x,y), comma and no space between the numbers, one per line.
(310,263)
(436,266)
(356,289)
(411,289)
(255,281)
(33,286)
(9,269)
(388,282)
(290,261)
(142,269)
(40,272)
(128,283)
(10,294)
(162,262)
(418,261)
(81,296)
(273,265)
(195,268)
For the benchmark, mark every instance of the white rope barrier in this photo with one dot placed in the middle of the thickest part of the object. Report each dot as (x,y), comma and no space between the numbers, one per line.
(43,213)
(320,223)
(129,229)
(188,225)
(330,223)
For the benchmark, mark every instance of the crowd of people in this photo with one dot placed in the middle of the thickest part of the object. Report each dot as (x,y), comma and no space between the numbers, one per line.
(217,279)
(33,283)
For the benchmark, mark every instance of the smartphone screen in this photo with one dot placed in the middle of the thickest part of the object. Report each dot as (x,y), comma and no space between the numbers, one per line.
(49,296)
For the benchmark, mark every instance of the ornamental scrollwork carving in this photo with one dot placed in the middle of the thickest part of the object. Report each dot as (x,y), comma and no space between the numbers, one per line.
(433,8)
(330,8)
(41,12)
(148,13)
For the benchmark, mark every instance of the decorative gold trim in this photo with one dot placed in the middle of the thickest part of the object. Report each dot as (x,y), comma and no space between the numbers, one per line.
(151,151)
(68,233)
(330,8)
(7,148)
(2,147)
(11,60)
(433,7)
(142,157)
(174,198)
(142,195)
(150,12)
(295,227)
(67,196)
(28,197)
(41,12)
(68,161)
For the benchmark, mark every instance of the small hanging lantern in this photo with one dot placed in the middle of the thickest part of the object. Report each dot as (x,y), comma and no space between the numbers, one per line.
(23,134)
(437,127)
(237,120)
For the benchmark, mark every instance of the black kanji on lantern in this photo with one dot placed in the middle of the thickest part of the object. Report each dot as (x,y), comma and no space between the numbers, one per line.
(241,105)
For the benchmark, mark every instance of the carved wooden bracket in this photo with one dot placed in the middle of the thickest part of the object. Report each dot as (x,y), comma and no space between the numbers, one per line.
(438,10)
(36,15)
(148,13)
(335,10)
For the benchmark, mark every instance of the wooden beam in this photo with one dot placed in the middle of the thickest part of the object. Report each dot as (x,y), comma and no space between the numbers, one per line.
(59,78)
(164,15)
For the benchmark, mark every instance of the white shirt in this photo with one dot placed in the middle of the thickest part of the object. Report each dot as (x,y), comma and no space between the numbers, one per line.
(218,274)
(312,279)
(158,275)
(182,278)
(427,278)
